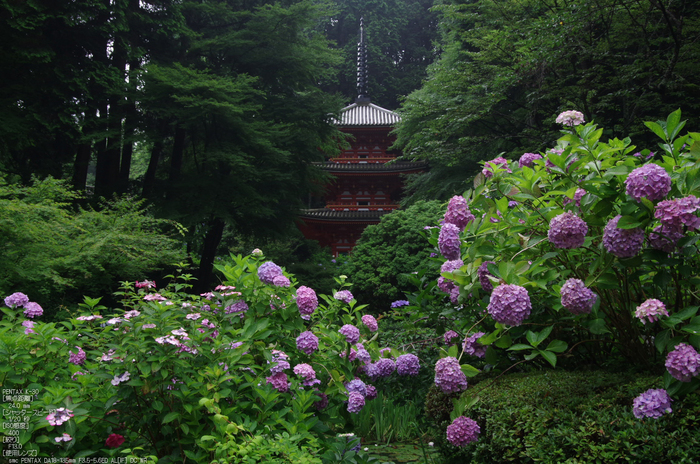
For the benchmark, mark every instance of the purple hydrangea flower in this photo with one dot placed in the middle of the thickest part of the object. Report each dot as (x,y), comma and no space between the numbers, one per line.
(652,403)
(363,356)
(527,159)
(268,271)
(679,211)
(454,296)
(400,303)
(352,333)
(17,299)
(578,194)
(650,181)
(665,237)
(463,431)
(509,304)
(449,376)
(407,364)
(356,385)
(650,310)
(483,273)
(279,359)
(458,212)
(281,281)
(370,322)
(308,373)
(279,381)
(344,296)
(683,363)
(623,243)
(576,297)
(371,392)
(490,166)
(33,310)
(570,118)
(29,327)
(567,231)
(472,347)
(449,337)
(448,241)
(446,285)
(355,402)
(77,358)
(307,302)
(382,368)
(307,342)
(239,306)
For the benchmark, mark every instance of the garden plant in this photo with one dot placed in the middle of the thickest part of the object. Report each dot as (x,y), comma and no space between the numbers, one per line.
(584,254)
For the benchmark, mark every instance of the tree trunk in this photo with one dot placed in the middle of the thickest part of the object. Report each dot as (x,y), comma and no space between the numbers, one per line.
(80,166)
(206,263)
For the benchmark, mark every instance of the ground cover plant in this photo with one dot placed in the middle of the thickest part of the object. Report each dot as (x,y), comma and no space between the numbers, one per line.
(261,369)
(585,253)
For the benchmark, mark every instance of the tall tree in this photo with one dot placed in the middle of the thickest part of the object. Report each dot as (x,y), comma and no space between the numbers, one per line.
(509,67)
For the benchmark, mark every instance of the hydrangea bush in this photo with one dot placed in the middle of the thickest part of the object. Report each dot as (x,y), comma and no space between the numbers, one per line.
(589,242)
(254,368)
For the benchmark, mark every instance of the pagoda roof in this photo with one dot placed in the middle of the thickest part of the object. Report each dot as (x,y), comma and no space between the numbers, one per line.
(364,114)
(325,214)
(400,166)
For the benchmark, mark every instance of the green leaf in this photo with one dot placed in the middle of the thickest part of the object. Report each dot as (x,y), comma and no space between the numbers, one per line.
(504,342)
(657,129)
(628,222)
(557,346)
(672,124)
(171,416)
(469,370)
(550,357)
(598,327)
(519,347)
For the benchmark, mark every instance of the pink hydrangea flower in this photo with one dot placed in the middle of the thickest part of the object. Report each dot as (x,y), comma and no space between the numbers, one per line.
(509,304)
(279,381)
(458,212)
(650,310)
(463,431)
(490,166)
(679,212)
(650,181)
(570,118)
(567,231)
(370,322)
(683,363)
(623,243)
(59,416)
(449,376)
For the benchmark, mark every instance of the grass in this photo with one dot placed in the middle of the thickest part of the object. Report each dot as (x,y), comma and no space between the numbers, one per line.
(382,421)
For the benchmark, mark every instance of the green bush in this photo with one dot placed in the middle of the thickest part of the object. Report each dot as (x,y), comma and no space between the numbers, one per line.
(573,417)
(389,249)
(57,253)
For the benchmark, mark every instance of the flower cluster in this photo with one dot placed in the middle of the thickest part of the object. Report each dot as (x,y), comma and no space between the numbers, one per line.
(28,327)
(307,342)
(268,271)
(678,212)
(120,378)
(448,241)
(308,373)
(239,306)
(576,297)
(463,431)
(344,296)
(490,166)
(650,310)
(307,301)
(370,322)
(483,273)
(509,304)
(355,402)
(570,118)
(279,359)
(363,355)
(356,385)
(472,347)
(59,416)
(665,237)
(114,440)
(407,364)
(567,231)
(77,358)
(650,181)
(279,381)
(446,285)
(352,333)
(281,281)
(458,212)
(623,243)
(384,367)
(449,376)
(400,303)
(683,363)
(652,403)
(449,337)
(33,310)
(528,159)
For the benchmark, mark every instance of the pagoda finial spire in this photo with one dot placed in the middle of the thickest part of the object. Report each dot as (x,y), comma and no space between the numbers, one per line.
(362,96)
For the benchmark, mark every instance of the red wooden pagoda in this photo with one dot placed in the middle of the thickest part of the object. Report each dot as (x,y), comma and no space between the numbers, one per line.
(367,182)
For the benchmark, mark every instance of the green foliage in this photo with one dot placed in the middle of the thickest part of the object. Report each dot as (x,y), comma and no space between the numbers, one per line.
(573,417)
(55,253)
(389,249)
(383,420)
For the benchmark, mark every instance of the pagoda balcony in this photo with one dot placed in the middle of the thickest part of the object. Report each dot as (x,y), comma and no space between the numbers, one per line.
(347,206)
(381,160)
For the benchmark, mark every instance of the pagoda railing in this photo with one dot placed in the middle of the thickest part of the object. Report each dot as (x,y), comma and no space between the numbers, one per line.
(362,160)
(356,207)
